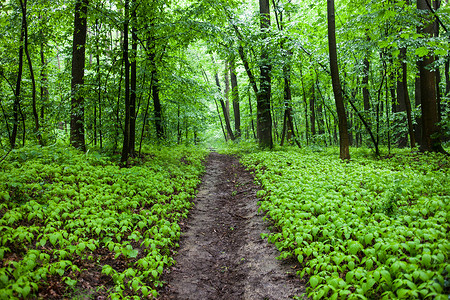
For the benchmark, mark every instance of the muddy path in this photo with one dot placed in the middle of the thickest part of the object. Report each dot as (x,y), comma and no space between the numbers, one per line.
(221,254)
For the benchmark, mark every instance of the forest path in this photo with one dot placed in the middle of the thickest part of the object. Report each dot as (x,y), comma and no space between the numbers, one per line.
(221,254)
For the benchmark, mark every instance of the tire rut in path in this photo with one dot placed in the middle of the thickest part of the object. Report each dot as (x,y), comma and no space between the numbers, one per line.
(221,254)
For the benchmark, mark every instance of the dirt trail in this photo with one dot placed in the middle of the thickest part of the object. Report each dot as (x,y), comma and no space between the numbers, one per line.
(221,254)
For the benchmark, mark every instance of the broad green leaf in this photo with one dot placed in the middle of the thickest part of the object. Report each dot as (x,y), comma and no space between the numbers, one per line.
(314,281)
(422,51)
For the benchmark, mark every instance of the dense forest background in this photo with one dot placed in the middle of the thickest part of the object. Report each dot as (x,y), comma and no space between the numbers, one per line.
(110,75)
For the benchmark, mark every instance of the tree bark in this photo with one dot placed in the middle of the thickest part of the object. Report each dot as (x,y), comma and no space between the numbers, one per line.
(77,139)
(264,117)
(235,99)
(342,117)
(430,129)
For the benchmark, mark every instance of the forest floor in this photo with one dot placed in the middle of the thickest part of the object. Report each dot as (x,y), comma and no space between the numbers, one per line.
(222,254)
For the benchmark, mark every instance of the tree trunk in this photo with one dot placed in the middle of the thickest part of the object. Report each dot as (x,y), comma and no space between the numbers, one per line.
(23,5)
(251,114)
(264,118)
(438,71)
(430,130)
(99,94)
(133,83)
(44,94)
(157,105)
(78,62)
(126,132)
(312,105)
(226,92)
(404,103)
(235,99)
(16,104)
(447,75)
(226,116)
(343,131)
(418,102)
(365,83)
(221,123)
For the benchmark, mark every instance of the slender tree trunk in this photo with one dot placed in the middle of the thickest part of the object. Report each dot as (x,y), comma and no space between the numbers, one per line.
(251,114)
(78,62)
(44,94)
(99,92)
(312,105)
(264,118)
(157,105)
(226,116)
(320,118)
(430,130)
(438,71)
(221,123)
(144,123)
(287,125)
(117,110)
(16,104)
(306,107)
(404,101)
(23,4)
(365,83)
(133,65)
(418,102)
(447,75)
(339,99)
(235,99)
(226,92)
(126,132)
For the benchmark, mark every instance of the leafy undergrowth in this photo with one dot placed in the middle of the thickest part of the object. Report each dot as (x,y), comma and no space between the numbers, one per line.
(75,225)
(364,229)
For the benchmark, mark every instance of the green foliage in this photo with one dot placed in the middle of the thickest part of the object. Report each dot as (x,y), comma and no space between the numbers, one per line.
(366,229)
(61,209)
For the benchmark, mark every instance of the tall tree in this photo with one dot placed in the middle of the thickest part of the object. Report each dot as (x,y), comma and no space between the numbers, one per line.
(430,129)
(264,117)
(78,63)
(337,89)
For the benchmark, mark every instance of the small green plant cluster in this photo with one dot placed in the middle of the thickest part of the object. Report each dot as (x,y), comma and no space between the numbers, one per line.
(364,229)
(61,211)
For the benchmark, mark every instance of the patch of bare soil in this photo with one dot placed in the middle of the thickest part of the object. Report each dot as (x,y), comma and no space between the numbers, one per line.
(221,254)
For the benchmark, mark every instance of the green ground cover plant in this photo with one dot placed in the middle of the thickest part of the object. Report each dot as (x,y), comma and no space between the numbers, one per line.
(63,213)
(363,229)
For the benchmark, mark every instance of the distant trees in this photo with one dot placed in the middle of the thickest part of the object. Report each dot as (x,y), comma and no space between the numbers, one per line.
(141,72)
